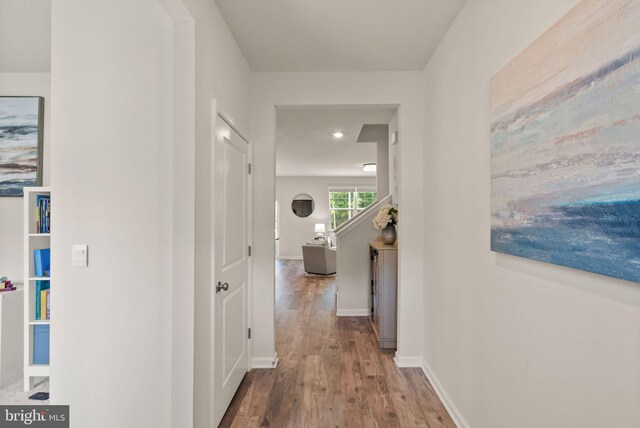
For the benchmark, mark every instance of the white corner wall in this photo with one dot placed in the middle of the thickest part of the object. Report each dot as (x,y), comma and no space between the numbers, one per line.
(272,89)
(382,166)
(11,221)
(223,75)
(111,164)
(394,159)
(353,263)
(513,342)
(296,231)
(113,114)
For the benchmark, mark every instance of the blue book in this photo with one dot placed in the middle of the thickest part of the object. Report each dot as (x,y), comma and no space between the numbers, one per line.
(42,261)
(44,215)
(40,285)
(43,203)
(48,213)
(40,344)
(48,217)
(39,219)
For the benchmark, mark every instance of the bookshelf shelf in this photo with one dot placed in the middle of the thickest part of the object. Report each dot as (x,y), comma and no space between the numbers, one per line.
(38,370)
(36,237)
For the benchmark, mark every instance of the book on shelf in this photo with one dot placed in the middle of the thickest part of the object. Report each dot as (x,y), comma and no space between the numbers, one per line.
(42,262)
(41,344)
(40,287)
(48,304)
(43,304)
(43,213)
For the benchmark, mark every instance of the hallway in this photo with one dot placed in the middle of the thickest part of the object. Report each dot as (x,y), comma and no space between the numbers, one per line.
(331,372)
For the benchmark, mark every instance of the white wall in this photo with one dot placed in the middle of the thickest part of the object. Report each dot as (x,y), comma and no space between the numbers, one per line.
(514,342)
(296,231)
(113,121)
(25,36)
(393,88)
(222,74)
(182,212)
(382,166)
(11,209)
(111,164)
(354,266)
(394,159)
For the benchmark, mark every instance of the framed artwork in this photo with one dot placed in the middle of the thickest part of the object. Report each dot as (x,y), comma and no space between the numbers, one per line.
(21,140)
(565,144)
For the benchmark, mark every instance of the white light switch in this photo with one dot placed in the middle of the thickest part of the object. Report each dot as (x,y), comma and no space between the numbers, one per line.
(80,255)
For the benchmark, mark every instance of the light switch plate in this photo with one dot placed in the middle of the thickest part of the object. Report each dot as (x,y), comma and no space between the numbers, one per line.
(80,255)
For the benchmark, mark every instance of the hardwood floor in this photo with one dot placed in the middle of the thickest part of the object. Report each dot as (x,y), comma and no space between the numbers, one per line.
(331,372)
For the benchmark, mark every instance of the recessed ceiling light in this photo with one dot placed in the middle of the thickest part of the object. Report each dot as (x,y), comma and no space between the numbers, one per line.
(337,134)
(369,167)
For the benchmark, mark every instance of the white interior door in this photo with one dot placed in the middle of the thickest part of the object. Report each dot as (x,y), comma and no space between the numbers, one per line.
(231,264)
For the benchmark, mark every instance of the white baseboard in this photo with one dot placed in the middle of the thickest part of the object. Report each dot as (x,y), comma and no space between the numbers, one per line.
(407,361)
(265,362)
(290,257)
(353,312)
(444,397)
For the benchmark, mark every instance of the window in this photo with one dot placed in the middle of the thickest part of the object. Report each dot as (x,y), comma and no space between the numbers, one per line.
(347,203)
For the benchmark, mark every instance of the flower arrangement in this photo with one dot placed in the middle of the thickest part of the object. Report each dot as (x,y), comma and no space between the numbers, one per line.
(388,214)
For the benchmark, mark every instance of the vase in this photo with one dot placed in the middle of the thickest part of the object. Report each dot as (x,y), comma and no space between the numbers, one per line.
(389,234)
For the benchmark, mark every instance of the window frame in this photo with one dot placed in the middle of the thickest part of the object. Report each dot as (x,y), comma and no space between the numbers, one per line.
(352,210)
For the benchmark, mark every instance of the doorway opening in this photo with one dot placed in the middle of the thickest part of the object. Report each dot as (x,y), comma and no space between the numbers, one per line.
(332,368)
(335,167)
(335,161)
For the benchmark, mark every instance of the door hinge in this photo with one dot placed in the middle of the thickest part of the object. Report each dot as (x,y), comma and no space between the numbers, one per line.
(249,250)
(249,168)
(249,334)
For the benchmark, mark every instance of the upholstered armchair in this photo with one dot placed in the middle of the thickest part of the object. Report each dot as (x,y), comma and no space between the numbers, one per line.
(319,259)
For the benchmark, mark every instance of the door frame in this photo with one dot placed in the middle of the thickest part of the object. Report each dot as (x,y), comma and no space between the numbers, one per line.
(218,112)
(398,89)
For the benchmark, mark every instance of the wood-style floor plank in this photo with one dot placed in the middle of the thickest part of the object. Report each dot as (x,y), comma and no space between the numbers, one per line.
(331,372)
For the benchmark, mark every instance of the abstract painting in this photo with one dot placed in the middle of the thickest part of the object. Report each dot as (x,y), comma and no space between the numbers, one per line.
(21,130)
(565,144)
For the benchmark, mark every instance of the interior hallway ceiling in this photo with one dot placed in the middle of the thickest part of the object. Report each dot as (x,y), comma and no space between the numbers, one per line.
(338,35)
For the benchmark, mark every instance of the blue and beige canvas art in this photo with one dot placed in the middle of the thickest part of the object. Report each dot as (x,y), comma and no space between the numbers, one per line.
(20,137)
(565,144)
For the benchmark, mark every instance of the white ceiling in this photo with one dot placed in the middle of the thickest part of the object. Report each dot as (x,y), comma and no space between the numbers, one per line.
(25,36)
(338,35)
(305,147)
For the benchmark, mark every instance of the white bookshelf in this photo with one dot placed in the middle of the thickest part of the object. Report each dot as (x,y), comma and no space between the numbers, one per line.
(32,241)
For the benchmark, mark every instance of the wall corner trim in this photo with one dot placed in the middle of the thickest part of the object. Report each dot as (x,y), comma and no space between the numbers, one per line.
(444,397)
(265,362)
(406,362)
(353,312)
